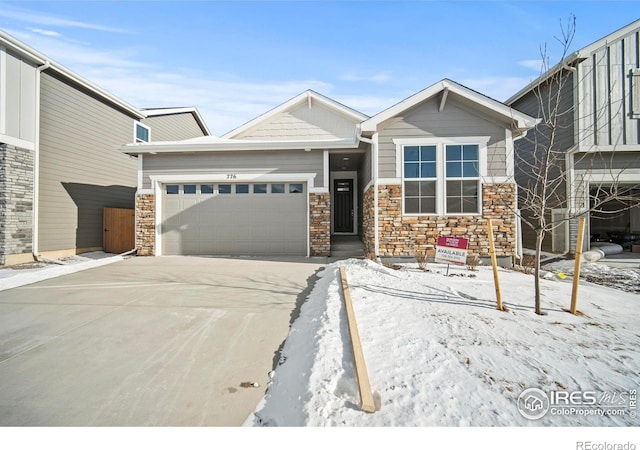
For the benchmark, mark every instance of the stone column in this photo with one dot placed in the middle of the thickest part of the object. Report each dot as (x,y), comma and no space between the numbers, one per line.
(320,224)
(145,224)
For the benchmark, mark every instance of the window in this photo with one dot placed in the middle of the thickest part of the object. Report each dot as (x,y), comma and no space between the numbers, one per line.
(242,188)
(463,178)
(142,133)
(277,188)
(172,188)
(635,93)
(224,189)
(259,188)
(189,188)
(206,189)
(420,170)
(296,188)
(441,175)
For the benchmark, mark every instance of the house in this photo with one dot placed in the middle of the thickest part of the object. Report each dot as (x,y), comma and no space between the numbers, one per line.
(597,139)
(59,159)
(438,163)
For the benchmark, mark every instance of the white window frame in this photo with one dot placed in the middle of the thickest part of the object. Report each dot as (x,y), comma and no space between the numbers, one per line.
(137,124)
(441,179)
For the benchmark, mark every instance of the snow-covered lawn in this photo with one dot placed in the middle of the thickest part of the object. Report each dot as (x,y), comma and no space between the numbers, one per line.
(438,352)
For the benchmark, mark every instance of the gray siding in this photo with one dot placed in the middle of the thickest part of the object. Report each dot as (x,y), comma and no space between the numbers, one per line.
(618,161)
(81,169)
(173,127)
(529,150)
(20,100)
(605,93)
(303,122)
(457,119)
(224,162)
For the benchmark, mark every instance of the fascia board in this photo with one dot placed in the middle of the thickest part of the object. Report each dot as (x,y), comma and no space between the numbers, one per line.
(295,101)
(523,120)
(240,145)
(38,58)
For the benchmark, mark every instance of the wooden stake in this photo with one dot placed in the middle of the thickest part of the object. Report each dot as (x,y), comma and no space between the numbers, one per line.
(494,263)
(576,269)
(367,403)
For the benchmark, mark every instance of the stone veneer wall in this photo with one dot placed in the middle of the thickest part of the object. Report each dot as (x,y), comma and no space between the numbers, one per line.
(320,224)
(16,201)
(145,224)
(404,235)
(368,222)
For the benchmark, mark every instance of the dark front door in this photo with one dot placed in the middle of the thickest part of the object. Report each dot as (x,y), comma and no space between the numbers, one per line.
(343,206)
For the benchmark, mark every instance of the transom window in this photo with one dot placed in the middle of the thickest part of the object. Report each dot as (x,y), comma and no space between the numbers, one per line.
(235,188)
(442,177)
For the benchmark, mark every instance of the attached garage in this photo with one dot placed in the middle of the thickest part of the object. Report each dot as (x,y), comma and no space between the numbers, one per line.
(234,219)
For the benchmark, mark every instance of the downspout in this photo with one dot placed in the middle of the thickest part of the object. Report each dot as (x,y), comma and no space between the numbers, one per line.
(519,245)
(374,169)
(35,244)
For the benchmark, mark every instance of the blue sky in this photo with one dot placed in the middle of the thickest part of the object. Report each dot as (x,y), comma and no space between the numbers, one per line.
(235,60)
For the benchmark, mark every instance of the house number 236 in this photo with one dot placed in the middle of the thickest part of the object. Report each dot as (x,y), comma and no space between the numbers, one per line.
(231,176)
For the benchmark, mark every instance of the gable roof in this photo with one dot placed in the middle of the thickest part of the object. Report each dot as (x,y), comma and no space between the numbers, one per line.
(156,112)
(574,58)
(521,122)
(307,96)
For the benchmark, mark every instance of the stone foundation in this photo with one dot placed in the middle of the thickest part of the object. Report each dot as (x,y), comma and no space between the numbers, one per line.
(145,224)
(403,236)
(319,224)
(16,201)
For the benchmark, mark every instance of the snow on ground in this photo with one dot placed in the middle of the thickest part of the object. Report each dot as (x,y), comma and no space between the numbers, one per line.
(625,279)
(439,353)
(23,274)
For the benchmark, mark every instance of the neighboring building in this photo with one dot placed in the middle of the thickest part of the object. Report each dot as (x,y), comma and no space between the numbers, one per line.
(438,163)
(599,137)
(59,159)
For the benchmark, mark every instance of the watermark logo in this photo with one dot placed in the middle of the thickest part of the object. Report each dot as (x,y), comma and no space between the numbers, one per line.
(533,403)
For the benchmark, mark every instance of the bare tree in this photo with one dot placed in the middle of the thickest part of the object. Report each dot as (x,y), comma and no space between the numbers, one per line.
(543,163)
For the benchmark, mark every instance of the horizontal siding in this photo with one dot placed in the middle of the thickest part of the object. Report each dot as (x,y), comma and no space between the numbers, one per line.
(81,169)
(223,162)
(609,160)
(303,122)
(605,93)
(427,121)
(173,127)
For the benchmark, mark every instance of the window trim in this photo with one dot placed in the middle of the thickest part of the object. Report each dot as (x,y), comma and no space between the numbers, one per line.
(137,124)
(441,178)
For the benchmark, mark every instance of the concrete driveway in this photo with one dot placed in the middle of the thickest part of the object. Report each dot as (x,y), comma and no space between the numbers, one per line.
(167,341)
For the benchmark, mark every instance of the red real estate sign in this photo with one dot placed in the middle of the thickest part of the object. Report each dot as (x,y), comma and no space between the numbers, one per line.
(452,250)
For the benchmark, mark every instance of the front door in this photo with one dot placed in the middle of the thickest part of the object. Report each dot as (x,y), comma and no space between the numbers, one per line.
(343,206)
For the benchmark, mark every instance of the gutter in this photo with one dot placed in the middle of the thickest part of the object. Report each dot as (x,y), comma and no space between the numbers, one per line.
(35,236)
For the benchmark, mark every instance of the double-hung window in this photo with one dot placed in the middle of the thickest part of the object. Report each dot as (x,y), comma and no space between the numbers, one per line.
(420,176)
(462,179)
(441,176)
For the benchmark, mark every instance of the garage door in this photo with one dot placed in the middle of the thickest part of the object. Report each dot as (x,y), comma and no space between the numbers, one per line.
(234,219)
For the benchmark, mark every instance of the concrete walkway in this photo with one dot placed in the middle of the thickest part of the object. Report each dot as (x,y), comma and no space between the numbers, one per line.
(147,341)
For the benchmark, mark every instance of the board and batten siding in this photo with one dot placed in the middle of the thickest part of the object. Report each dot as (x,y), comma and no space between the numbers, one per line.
(605,93)
(173,127)
(259,162)
(81,169)
(457,120)
(304,122)
(17,116)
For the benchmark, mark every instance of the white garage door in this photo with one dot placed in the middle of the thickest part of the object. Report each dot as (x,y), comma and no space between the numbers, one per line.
(234,219)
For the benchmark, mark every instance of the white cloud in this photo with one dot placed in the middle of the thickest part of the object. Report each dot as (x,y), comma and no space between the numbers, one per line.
(379,77)
(533,64)
(45,32)
(28,16)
